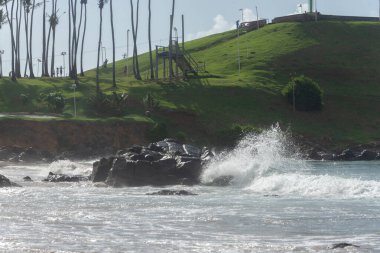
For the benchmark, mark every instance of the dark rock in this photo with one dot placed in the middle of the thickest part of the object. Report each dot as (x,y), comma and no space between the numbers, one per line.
(101,169)
(155,147)
(5,182)
(343,245)
(346,155)
(162,163)
(327,157)
(58,178)
(367,155)
(27,179)
(135,149)
(315,155)
(171,140)
(221,181)
(173,193)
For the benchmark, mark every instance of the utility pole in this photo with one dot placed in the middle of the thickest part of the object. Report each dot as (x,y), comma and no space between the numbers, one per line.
(1,63)
(128,49)
(257,16)
(64,64)
(242,15)
(238,44)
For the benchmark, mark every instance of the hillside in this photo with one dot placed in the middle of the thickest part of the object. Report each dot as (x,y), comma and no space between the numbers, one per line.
(343,57)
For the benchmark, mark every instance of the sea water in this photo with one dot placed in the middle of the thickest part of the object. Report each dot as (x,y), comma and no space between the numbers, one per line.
(277,202)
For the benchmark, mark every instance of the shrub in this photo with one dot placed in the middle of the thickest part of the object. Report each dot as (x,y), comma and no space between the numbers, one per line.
(307,94)
(151,103)
(113,105)
(158,132)
(54,101)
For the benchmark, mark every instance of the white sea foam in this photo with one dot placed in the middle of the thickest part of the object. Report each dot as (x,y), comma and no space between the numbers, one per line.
(269,163)
(68,167)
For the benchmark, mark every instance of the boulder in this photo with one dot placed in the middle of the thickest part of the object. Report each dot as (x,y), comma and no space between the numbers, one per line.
(172,193)
(343,245)
(100,169)
(59,178)
(27,179)
(346,155)
(5,182)
(367,155)
(166,162)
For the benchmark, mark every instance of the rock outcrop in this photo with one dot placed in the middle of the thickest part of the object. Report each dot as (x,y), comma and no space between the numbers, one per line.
(172,193)
(167,162)
(5,182)
(59,178)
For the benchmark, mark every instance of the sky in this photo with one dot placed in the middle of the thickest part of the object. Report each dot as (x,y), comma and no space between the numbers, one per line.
(202,18)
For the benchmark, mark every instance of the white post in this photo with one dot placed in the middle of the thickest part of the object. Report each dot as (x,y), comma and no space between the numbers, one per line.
(257,16)
(238,46)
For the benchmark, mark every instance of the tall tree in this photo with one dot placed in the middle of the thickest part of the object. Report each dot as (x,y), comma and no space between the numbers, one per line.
(44,39)
(54,20)
(27,4)
(31,71)
(136,68)
(113,48)
(150,42)
(101,6)
(171,43)
(10,20)
(2,21)
(83,3)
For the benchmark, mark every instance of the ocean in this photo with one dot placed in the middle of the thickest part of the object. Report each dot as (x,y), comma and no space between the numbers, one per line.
(277,202)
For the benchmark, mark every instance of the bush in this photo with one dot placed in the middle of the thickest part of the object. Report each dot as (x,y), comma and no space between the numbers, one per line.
(158,132)
(54,101)
(307,94)
(151,103)
(113,105)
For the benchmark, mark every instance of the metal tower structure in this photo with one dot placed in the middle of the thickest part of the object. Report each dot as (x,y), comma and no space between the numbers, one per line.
(311,4)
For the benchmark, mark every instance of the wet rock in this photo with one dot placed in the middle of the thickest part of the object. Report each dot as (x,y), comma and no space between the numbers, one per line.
(367,155)
(167,162)
(27,179)
(5,182)
(59,178)
(172,193)
(343,245)
(222,181)
(346,155)
(101,169)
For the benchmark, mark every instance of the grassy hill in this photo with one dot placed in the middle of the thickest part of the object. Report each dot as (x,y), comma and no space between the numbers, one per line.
(343,57)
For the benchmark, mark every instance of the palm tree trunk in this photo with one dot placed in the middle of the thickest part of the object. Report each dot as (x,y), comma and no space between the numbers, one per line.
(26,22)
(70,53)
(46,61)
(150,42)
(84,34)
(136,68)
(31,72)
(113,48)
(18,31)
(99,44)
(10,21)
(43,38)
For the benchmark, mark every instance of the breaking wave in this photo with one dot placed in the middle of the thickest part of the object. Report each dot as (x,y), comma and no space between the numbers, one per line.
(270,163)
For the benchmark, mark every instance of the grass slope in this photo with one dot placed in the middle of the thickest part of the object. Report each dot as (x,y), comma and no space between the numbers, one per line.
(343,57)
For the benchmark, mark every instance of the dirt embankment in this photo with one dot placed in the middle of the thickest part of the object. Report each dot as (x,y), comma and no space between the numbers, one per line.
(61,136)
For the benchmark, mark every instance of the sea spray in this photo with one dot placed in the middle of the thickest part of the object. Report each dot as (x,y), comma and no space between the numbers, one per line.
(255,156)
(271,164)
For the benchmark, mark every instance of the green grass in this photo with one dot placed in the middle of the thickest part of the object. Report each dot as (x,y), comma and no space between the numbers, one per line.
(343,57)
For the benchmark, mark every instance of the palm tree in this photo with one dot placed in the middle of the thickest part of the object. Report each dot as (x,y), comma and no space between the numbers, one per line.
(150,42)
(2,21)
(101,6)
(44,38)
(113,48)
(53,20)
(136,68)
(83,2)
(13,42)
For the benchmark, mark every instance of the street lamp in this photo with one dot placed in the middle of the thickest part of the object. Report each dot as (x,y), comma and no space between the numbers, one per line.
(74,86)
(64,65)
(128,31)
(242,15)
(1,63)
(38,66)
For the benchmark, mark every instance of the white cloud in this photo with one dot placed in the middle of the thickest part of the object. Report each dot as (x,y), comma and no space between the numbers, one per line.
(249,15)
(220,25)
